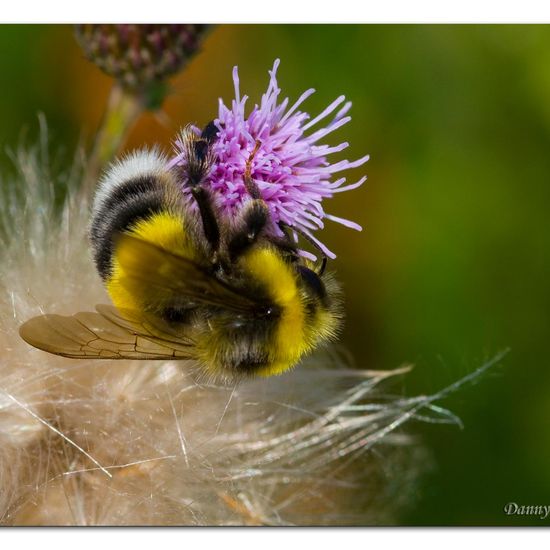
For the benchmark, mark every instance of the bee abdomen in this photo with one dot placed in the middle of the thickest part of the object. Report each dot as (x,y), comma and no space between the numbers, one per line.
(132,190)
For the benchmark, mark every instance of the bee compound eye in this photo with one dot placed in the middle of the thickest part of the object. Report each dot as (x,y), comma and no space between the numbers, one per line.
(312,281)
(266,311)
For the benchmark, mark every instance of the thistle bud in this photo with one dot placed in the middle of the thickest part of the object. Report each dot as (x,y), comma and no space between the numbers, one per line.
(140,56)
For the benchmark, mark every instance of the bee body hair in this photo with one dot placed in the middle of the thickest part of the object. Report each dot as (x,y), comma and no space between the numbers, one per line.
(134,189)
(188,282)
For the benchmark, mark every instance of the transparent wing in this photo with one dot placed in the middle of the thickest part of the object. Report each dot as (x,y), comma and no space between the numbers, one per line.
(167,274)
(107,334)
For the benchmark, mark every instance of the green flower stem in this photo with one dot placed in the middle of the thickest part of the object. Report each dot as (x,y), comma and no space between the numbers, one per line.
(123,109)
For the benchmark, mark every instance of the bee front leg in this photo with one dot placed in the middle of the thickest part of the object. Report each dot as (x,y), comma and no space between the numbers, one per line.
(208,217)
(199,159)
(249,225)
(249,183)
(253,216)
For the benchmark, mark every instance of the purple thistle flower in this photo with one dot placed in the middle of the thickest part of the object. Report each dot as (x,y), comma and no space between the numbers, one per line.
(290,168)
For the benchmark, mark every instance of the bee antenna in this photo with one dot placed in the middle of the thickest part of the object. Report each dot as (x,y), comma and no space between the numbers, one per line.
(324,260)
(323,266)
(249,183)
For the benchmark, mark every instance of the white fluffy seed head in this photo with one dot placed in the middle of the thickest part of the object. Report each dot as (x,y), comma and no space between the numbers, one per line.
(137,442)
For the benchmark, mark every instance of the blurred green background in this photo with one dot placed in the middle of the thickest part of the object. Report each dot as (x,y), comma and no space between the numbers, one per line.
(453,264)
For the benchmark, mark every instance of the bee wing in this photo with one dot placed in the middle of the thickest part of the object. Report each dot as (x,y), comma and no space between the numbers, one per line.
(106,334)
(174,275)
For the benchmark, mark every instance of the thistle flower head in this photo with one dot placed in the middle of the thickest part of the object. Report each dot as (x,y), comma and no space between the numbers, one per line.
(290,162)
(137,55)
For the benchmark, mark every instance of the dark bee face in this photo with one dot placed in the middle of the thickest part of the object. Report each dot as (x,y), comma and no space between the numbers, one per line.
(210,132)
(202,145)
(198,153)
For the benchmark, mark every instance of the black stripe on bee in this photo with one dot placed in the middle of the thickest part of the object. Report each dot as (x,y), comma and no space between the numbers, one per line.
(136,199)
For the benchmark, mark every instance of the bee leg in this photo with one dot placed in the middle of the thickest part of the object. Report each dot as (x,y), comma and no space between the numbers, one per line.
(253,217)
(252,220)
(197,152)
(209,222)
(250,184)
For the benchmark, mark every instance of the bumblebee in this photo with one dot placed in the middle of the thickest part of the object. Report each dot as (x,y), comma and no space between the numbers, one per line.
(190,283)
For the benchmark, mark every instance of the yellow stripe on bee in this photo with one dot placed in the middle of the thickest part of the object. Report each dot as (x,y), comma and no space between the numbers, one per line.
(164,230)
(267,267)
